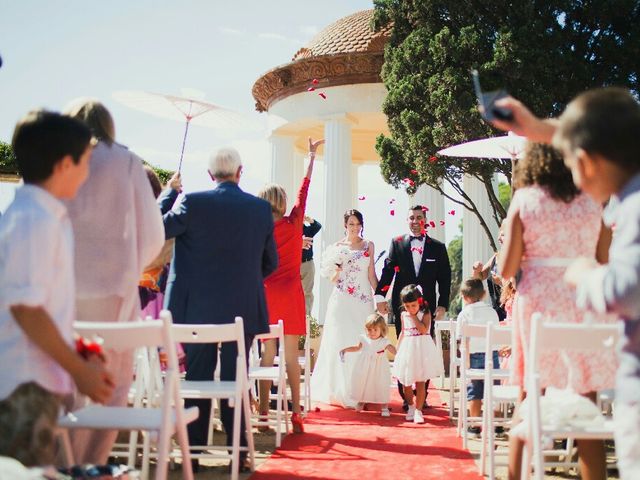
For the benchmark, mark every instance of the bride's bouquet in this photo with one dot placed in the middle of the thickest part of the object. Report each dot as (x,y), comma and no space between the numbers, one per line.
(332,257)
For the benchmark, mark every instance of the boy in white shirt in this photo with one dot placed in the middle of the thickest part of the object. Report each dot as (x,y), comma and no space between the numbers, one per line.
(37,283)
(476,312)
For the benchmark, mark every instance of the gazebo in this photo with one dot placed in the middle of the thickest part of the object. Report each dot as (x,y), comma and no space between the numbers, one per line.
(343,63)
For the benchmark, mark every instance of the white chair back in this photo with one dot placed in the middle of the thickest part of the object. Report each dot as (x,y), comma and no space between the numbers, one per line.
(165,420)
(588,337)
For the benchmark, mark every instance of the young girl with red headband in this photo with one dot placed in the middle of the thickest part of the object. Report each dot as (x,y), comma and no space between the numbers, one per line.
(417,359)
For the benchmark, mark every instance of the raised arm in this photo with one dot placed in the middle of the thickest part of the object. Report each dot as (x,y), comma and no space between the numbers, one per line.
(170,194)
(313,147)
(524,122)
(176,221)
(297,212)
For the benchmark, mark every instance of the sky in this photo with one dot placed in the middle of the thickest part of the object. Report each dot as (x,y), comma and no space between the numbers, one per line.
(55,51)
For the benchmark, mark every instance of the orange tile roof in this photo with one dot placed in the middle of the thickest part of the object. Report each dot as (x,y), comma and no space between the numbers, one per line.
(351,34)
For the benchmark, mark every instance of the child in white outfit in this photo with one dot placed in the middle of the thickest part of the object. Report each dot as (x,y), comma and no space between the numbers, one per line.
(417,359)
(371,377)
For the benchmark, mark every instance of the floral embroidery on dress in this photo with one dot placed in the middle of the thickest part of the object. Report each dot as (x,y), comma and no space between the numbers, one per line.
(355,267)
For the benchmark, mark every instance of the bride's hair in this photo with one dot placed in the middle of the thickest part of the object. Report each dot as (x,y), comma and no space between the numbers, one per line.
(358,215)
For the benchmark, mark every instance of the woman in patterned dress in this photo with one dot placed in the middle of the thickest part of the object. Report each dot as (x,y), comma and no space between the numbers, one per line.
(349,264)
(550,223)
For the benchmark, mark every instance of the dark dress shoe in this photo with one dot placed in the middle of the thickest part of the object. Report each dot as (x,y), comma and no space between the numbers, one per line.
(425,405)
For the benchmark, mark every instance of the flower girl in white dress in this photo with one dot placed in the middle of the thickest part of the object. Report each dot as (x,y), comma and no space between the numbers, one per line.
(417,359)
(371,377)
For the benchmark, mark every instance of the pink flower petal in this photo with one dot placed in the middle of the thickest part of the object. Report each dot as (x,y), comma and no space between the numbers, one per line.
(314,81)
(323,95)
(311,89)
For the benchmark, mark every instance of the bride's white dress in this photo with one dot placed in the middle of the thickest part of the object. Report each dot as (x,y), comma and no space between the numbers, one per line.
(350,304)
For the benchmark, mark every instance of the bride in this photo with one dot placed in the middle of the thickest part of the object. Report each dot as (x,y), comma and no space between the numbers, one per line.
(349,264)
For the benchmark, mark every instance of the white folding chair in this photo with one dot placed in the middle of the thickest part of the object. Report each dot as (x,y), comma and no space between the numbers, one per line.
(454,364)
(305,370)
(170,417)
(235,391)
(467,374)
(560,336)
(275,374)
(140,394)
(441,326)
(494,396)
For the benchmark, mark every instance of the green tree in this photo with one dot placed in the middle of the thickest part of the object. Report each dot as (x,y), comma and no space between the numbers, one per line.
(163,175)
(7,159)
(542,52)
(504,195)
(454,249)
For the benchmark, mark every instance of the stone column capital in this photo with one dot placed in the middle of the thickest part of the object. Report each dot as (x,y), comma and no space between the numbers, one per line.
(341,118)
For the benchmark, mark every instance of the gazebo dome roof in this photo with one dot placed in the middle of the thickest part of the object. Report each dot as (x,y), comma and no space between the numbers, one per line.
(350,34)
(346,52)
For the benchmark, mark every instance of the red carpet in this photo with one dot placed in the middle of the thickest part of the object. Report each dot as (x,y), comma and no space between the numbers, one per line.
(342,444)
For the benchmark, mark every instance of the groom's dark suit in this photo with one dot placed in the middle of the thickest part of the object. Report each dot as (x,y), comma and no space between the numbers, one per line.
(434,270)
(224,249)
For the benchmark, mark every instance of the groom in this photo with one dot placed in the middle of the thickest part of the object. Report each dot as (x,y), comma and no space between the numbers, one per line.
(415,258)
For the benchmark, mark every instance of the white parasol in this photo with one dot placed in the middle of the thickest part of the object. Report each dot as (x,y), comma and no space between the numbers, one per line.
(507,146)
(184,109)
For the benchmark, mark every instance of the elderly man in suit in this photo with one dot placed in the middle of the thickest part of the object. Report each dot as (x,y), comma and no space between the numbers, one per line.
(415,258)
(224,249)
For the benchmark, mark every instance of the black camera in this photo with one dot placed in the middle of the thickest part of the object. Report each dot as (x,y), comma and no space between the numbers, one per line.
(487,101)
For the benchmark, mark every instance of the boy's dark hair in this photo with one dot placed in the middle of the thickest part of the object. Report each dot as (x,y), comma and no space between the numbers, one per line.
(416,207)
(605,121)
(473,289)
(412,293)
(543,165)
(41,139)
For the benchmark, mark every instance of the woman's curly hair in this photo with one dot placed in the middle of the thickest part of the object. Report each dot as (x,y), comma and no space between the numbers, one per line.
(543,165)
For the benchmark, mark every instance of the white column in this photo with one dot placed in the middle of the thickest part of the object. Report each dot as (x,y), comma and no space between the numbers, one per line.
(432,199)
(282,163)
(354,185)
(475,244)
(337,190)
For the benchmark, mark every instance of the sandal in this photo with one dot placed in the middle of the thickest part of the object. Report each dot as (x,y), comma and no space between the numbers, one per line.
(296,423)
(264,428)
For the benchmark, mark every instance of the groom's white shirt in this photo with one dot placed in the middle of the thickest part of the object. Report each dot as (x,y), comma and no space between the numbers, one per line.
(417,247)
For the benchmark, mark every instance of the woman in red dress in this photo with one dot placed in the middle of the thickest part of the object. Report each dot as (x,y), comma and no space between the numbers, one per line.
(285,297)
